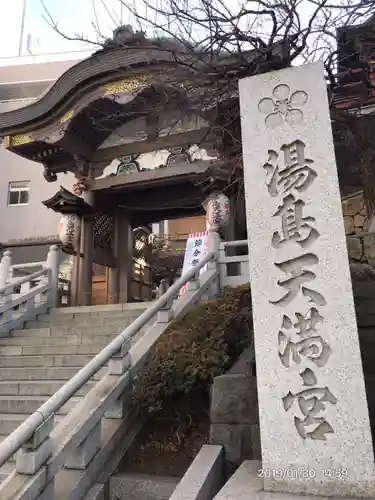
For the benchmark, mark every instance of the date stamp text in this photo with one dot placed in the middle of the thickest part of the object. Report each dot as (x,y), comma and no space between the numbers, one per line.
(301,473)
(292,473)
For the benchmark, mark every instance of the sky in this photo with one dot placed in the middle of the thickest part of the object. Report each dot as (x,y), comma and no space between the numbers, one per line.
(73,16)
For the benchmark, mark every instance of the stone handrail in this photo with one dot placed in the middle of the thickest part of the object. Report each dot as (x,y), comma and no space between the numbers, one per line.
(49,457)
(9,288)
(239,272)
(28,265)
(16,308)
(234,243)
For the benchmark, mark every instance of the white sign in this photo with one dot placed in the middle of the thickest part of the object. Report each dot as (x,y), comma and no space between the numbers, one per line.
(196,250)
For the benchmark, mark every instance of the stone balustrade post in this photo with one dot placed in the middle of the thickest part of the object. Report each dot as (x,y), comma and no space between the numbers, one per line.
(163,287)
(52,264)
(165,313)
(5,298)
(120,361)
(124,403)
(194,283)
(214,241)
(35,453)
(81,456)
(5,268)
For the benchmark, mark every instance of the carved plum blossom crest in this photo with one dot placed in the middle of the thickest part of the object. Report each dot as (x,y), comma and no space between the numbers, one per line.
(283,106)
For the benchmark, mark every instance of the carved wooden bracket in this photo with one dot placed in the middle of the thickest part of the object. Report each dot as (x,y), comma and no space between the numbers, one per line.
(49,174)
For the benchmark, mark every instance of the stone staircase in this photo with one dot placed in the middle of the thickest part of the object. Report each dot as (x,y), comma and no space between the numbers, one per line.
(37,360)
(124,486)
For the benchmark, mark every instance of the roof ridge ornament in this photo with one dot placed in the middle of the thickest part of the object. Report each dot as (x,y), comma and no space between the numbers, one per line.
(123,35)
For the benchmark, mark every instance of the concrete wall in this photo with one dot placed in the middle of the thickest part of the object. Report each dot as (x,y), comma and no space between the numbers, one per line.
(34,219)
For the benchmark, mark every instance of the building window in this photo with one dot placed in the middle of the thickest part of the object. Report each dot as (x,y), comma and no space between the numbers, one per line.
(18,193)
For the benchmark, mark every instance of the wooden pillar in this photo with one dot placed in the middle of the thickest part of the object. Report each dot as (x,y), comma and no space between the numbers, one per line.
(87,245)
(114,272)
(125,256)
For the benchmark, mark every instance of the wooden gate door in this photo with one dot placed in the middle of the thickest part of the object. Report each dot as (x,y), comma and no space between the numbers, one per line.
(99,285)
(141,286)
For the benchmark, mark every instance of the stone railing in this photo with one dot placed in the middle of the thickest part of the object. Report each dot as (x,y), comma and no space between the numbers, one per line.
(66,460)
(22,299)
(234,269)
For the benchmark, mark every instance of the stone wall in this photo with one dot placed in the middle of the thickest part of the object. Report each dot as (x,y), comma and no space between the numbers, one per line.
(361,248)
(355,213)
(361,245)
(234,412)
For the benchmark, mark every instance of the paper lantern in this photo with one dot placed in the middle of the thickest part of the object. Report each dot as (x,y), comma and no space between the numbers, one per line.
(69,230)
(217,211)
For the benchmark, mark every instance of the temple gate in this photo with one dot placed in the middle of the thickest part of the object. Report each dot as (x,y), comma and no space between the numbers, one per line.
(123,102)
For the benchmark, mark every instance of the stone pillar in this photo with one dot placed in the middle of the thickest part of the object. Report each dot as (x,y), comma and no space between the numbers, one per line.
(74,282)
(125,256)
(313,414)
(75,277)
(87,248)
(114,275)
(52,264)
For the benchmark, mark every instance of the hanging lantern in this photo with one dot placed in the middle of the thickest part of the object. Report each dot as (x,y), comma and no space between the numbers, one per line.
(217,211)
(69,230)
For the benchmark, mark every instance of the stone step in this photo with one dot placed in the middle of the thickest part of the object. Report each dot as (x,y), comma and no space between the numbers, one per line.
(36,387)
(99,341)
(127,486)
(46,332)
(245,484)
(5,470)
(51,373)
(34,346)
(77,339)
(97,492)
(60,331)
(95,321)
(12,460)
(29,404)
(37,332)
(76,360)
(65,316)
(102,309)
(45,350)
(10,421)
